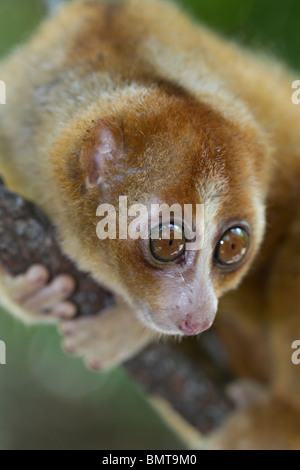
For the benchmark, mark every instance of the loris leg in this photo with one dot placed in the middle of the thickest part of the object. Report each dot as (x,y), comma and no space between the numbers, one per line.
(30,297)
(108,339)
(274,422)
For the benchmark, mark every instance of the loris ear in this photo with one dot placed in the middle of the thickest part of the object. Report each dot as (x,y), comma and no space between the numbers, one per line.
(103,144)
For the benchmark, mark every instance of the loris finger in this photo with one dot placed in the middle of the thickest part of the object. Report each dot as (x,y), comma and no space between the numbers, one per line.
(79,334)
(26,284)
(64,310)
(79,329)
(52,298)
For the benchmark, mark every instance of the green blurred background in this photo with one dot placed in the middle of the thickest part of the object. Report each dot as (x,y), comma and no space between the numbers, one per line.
(49,400)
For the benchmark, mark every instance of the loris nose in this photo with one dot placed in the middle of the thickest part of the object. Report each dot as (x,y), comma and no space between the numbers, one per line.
(189,326)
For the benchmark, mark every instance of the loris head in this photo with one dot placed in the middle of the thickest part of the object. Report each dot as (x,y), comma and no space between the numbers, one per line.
(161,146)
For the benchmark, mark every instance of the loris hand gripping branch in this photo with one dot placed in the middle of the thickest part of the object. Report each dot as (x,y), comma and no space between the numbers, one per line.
(134,99)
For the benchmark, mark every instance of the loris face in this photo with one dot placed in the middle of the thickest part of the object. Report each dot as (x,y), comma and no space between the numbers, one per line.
(162,146)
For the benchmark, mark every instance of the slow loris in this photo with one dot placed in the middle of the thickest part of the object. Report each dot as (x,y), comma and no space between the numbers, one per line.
(133,99)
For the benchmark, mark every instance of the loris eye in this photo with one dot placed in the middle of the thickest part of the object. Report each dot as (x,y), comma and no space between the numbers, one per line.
(233,247)
(167,243)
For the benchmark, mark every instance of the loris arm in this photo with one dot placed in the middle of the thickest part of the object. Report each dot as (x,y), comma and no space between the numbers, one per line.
(274,421)
(284,314)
